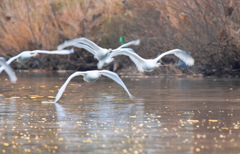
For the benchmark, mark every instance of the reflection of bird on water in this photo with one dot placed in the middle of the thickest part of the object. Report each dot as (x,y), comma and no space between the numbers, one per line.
(10,72)
(98,52)
(147,65)
(60,112)
(25,55)
(91,76)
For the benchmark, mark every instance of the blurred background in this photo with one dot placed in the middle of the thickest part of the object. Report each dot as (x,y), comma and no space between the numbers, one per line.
(208,29)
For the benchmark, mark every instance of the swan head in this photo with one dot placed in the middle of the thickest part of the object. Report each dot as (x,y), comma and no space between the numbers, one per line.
(26,55)
(110,50)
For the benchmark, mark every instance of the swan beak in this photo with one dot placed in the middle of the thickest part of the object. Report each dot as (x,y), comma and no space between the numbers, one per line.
(159,65)
(99,75)
(36,54)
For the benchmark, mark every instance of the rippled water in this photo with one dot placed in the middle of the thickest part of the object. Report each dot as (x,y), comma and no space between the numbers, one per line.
(170,115)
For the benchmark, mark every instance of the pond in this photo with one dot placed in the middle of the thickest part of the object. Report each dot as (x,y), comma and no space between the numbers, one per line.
(169,115)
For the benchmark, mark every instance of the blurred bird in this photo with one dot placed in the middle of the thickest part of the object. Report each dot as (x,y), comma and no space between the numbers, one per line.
(92,76)
(98,52)
(25,55)
(146,65)
(10,72)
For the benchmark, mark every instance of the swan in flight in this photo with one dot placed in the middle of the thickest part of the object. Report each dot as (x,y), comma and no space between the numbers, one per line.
(10,72)
(91,76)
(146,65)
(25,55)
(98,52)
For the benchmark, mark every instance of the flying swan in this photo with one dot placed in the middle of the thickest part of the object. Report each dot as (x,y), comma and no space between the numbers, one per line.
(25,55)
(146,65)
(98,52)
(91,76)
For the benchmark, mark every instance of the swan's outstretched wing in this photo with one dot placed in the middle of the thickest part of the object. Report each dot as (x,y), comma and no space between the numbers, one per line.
(108,58)
(13,58)
(57,52)
(117,79)
(181,63)
(183,55)
(139,61)
(134,42)
(10,72)
(86,47)
(76,41)
(91,44)
(61,90)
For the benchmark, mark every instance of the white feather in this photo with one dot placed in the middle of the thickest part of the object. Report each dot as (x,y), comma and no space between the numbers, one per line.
(183,55)
(10,72)
(91,76)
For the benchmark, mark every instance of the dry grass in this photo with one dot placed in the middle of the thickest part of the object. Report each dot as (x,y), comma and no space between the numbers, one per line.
(210,29)
(31,25)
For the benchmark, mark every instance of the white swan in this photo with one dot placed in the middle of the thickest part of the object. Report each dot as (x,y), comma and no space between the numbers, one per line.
(92,76)
(146,65)
(10,72)
(25,55)
(98,52)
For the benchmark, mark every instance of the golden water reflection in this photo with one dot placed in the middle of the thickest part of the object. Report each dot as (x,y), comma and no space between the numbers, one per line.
(170,115)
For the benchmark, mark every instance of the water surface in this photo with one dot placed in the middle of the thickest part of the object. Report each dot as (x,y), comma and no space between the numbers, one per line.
(170,115)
